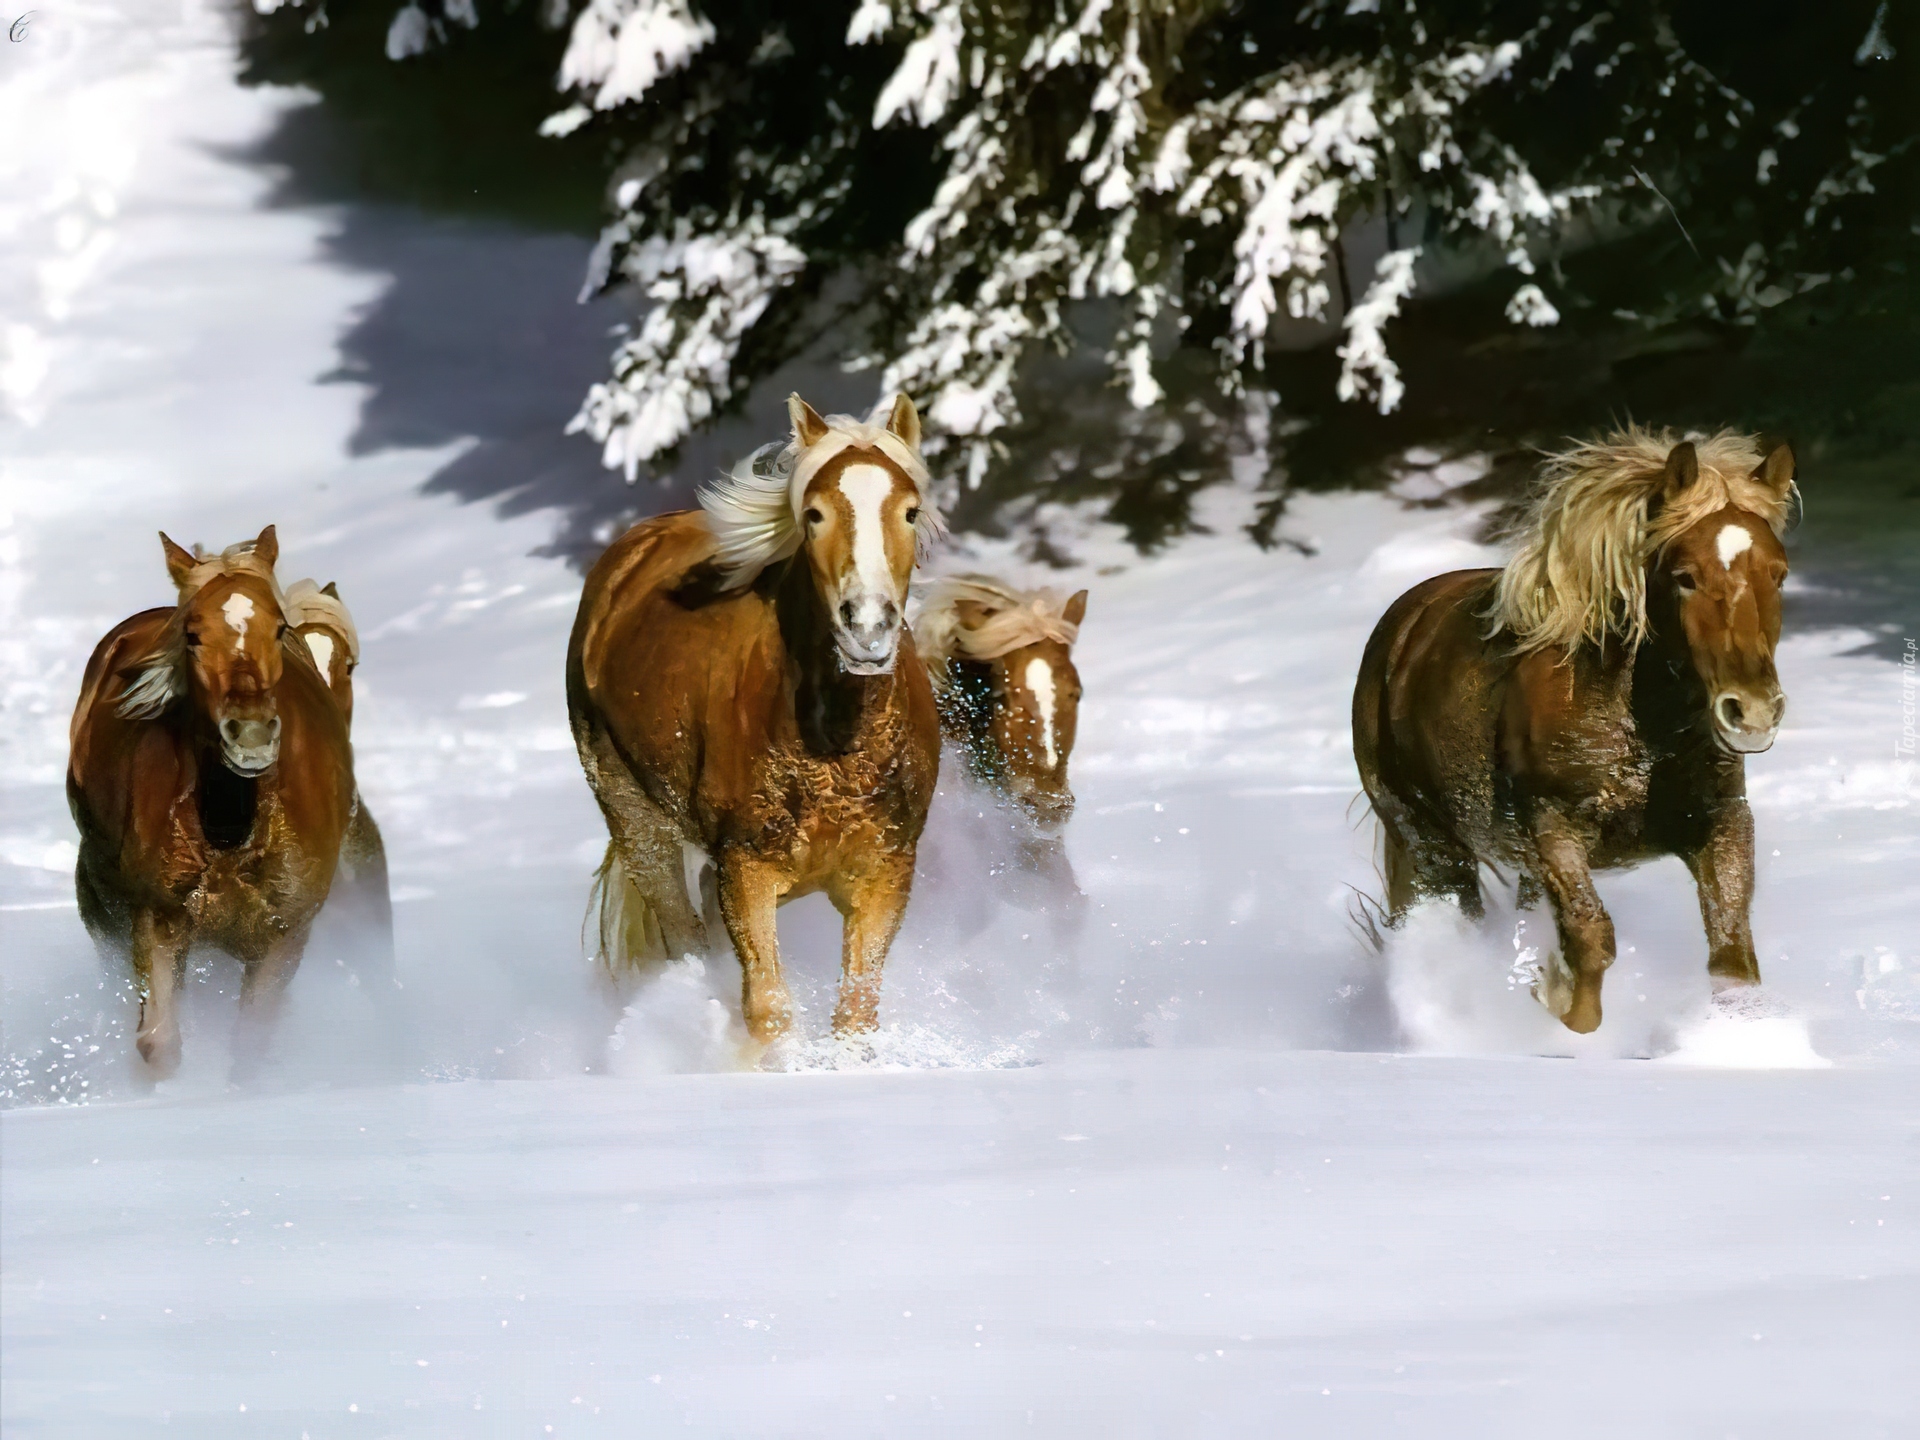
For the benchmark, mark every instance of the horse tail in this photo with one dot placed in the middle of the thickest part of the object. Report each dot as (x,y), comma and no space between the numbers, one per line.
(628,929)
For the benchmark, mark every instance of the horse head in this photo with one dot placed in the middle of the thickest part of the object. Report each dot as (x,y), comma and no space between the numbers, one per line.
(1721,578)
(230,628)
(860,514)
(320,618)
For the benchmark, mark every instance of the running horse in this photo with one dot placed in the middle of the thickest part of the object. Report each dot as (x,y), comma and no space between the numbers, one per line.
(1591,705)
(745,695)
(360,897)
(1001,661)
(211,779)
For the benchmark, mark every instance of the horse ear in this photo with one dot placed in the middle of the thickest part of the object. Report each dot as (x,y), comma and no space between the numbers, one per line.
(904,421)
(1075,609)
(1776,472)
(808,427)
(1683,468)
(267,546)
(179,562)
(330,589)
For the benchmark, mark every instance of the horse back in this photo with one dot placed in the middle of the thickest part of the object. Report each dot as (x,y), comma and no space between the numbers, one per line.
(1426,706)
(658,661)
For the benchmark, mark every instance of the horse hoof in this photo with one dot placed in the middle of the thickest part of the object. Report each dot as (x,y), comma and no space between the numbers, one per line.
(161,1054)
(1583,1016)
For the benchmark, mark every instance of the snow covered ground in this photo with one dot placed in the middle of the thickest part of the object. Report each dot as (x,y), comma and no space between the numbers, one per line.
(1202,1163)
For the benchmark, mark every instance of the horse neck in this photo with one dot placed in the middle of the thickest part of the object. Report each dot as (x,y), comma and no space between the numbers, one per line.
(833,710)
(1669,703)
(968,710)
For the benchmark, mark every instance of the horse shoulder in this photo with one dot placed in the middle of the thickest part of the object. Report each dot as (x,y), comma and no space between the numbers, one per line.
(923,720)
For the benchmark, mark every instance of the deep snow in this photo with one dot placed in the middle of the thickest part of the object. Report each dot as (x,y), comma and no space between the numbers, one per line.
(1145,1171)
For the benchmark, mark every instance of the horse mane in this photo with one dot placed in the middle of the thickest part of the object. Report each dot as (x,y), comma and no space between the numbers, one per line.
(1595,521)
(1013,618)
(158,677)
(306,603)
(754,510)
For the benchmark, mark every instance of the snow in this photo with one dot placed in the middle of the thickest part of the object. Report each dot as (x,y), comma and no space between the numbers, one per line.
(1365,366)
(1190,1157)
(619,49)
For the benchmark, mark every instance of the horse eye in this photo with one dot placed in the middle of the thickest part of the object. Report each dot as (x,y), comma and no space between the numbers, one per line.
(1682,579)
(913,514)
(281,633)
(813,516)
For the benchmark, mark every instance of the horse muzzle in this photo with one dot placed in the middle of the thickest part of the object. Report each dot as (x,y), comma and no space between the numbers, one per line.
(867,635)
(250,747)
(1048,809)
(1746,723)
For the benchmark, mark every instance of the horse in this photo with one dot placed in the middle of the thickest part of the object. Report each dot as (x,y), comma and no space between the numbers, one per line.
(211,779)
(360,897)
(1591,705)
(1001,662)
(746,699)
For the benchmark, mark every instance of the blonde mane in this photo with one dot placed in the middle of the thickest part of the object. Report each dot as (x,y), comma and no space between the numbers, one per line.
(754,511)
(307,604)
(1579,575)
(158,677)
(1013,618)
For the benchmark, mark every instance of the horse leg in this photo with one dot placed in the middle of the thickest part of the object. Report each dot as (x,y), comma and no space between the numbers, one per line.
(1586,930)
(872,904)
(750,892)
(1723,871)
(649,845)
(159,953)
(1401,895)
(1420,867)
(361,891)
(263,990)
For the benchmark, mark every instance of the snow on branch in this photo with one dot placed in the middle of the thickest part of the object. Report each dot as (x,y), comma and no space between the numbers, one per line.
(709,288)
(1365,366)
(1074,165)
(619,48)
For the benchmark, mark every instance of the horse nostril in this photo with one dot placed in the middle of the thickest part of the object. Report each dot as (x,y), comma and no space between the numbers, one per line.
(230,730)
(889,612)
(846,613)
(273,728)
(1730,712)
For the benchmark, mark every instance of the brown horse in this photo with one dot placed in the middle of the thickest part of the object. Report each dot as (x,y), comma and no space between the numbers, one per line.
(744,693)
(360,897)
(1001,661)
(1591,705)
(211,780)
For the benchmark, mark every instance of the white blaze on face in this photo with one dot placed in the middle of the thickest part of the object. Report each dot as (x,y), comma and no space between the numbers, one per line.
(237,611)
(1732,541)
(322,648)
(867,488)
(1039,679)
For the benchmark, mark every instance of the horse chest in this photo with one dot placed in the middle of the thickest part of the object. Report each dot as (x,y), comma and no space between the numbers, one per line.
(247,895)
